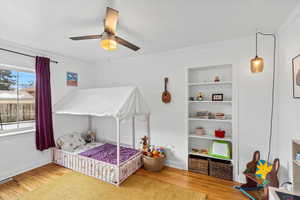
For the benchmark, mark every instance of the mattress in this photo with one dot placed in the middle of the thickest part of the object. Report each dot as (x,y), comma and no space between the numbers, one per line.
(108,153)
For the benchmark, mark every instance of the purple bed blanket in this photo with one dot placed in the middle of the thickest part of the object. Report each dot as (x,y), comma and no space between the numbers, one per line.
(108,153)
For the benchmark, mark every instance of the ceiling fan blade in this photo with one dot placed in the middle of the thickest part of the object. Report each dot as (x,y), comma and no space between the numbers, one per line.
(86,37)
(127,44)
(111,20)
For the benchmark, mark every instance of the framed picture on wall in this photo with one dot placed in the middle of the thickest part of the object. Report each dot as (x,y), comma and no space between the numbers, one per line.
(296,77)
(72,79)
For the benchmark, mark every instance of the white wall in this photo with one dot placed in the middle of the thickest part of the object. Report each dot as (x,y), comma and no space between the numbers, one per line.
(18,153)
(168,121)
(289,108)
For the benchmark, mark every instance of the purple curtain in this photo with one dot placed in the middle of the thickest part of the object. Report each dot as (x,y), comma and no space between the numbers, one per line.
(43,109)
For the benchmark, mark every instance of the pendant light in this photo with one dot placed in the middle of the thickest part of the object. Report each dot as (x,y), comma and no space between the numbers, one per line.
(257,63)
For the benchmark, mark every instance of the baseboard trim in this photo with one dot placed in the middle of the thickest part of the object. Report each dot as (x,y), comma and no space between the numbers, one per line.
(175,165)
(20,171)
(5,180)
(241,178)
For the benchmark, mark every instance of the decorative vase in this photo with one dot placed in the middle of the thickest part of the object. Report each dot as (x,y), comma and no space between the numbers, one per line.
(200,131)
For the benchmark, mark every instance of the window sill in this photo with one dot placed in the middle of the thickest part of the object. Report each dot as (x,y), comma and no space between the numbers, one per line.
(17,133)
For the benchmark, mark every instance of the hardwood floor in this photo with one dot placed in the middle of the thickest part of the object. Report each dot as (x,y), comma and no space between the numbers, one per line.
(216,189)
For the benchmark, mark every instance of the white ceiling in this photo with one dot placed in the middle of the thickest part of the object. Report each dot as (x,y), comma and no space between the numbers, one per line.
(154,25)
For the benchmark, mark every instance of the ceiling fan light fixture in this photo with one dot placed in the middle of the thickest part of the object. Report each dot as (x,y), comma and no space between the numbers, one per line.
(108,42)
(109,39)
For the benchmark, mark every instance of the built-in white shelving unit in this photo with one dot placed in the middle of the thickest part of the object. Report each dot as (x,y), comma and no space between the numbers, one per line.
(201,79)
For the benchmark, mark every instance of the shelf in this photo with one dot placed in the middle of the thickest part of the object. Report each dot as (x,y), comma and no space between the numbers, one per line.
(211,83)
(210,120)
(207,156)
(297,163)
(210,137)
(212,102)
(296,142)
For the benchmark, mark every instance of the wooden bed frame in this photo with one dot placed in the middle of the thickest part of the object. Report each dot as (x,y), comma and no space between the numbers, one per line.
(98,169)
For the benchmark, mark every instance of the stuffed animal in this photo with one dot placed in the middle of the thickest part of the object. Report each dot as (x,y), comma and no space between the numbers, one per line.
(263,169)
(151,150)
(145,144)
(89,136)
(160,150)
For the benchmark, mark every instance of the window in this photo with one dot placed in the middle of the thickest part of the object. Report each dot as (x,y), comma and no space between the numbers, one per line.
(17,99)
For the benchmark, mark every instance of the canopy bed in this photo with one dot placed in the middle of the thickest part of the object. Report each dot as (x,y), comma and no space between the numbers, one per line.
(112,163)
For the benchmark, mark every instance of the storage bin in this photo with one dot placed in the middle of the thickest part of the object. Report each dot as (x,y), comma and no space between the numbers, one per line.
(221,169)
(199,165)
(153,164)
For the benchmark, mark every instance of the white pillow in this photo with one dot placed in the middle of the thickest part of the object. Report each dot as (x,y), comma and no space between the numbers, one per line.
(70,142)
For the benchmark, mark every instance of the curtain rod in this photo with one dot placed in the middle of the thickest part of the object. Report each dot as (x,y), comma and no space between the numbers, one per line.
(24,54)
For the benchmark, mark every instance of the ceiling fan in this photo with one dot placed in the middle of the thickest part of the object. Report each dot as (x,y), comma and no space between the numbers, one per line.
(108,38)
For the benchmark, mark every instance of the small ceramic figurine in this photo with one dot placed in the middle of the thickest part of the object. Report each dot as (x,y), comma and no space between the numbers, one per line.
(200,96)
(217,79)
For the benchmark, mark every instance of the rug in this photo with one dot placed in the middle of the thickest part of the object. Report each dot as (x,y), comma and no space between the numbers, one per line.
(76,186)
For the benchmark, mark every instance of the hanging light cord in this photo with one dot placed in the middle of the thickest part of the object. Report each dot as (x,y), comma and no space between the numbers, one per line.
(256,44)
(273,90)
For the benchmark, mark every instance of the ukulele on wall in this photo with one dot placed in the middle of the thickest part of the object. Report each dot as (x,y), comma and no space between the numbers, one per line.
(166,96)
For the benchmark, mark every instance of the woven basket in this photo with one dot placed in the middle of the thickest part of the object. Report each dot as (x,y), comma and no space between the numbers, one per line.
(153,164)
(198,165)
(221,169)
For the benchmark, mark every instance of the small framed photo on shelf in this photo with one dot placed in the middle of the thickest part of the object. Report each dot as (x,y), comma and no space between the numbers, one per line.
(217,97)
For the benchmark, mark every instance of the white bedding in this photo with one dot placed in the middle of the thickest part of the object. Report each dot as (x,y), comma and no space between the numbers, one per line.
(86,147)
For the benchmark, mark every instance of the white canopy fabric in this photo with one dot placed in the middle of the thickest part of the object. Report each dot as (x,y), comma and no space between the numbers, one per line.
(118,102)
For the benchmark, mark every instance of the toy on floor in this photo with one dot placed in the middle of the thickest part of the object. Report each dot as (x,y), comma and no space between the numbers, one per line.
(145,144)
(260,175)
(153,156)
(155,152)
(151,150)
